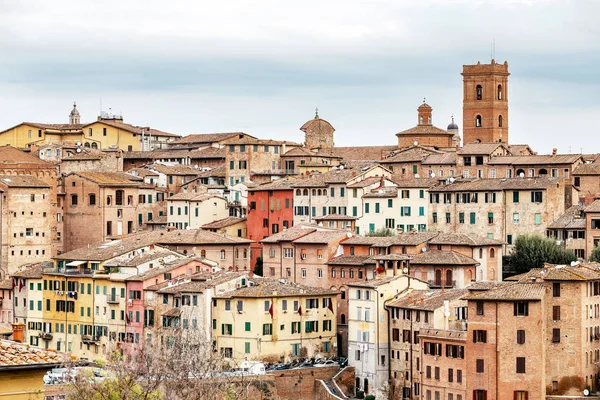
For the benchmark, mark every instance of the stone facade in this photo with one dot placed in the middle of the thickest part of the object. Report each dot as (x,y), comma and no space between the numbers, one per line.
(28,222)
(318,134)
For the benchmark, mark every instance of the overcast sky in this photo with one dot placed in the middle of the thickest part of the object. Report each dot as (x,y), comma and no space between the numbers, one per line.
(262,68)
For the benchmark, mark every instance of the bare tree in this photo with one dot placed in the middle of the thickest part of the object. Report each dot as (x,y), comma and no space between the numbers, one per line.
(177,364)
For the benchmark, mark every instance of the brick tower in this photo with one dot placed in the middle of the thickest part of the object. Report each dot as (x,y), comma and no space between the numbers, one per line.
(318,133)
(485,103)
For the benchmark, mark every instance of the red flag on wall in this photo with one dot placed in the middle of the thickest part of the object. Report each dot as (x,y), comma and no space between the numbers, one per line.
(271,310)
(300,310)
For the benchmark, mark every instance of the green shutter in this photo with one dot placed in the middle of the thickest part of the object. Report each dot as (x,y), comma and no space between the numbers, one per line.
(354,211)
(248,327)
(376,208)
(247,347)
(472,218)
(366,208)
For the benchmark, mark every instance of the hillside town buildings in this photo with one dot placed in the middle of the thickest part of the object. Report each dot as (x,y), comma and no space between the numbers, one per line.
(116,235)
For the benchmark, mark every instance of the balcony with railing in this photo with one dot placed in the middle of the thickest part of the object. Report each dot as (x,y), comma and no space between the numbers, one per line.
(45,335)
(113,299)
(89,339)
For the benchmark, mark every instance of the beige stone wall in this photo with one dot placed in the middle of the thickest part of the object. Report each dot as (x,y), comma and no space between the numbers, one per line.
(28,227)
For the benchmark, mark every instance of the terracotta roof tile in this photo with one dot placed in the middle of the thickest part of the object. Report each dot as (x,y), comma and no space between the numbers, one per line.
(12,155)
(378,281)
(29,271)
(425,130)
(594,207)
(587,169)
(437,257)
(322,237)
(400,239)
(409,154)
(267,287)
(441,159)
(510,292)
(479,148)
(535,159)
(463,239)
(133,128)
(336,217)
(384,192)
(290,234)
(279,184)
(352,260)
(477,185)
(572,218)
(429,300)
(110,178)
(364,153)
(22,181)
(201,138)
(222,223)
(15,355)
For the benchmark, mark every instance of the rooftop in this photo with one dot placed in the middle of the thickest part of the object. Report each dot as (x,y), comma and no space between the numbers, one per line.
(12,155)
(22,181)
(110,178)
(478,185)
(400,239)
(351,260)
(510,292)
(429,300)
(463,239)
(222,223)
(15,355)
(443,258)
(267,287)
(587,169)
(364,153)
(572,218)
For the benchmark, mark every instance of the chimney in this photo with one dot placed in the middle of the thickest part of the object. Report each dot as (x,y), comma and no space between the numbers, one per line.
(554,151)
(18,330)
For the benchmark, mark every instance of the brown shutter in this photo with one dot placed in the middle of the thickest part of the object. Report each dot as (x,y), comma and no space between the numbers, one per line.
(515,395)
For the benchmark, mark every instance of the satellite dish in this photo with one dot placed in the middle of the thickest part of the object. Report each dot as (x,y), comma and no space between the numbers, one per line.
(424,249)
(416,143)
(433,174)
(451,180)
(78,143)
(586,392)
(78,150)
(522,175)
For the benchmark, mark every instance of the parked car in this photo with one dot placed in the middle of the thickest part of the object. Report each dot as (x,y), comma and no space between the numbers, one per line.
(327,363)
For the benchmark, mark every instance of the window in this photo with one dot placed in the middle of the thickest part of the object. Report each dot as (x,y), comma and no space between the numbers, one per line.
(521,336)
(516,218)
(520,365)
(556,313)
(479,366)
(288,253)
(556,335)
(555,289)
(536,197)
(479,394)
(500,121)
(523,395)
(538,218)
(74,200)
(479,92)
(479,336)
(515,197)
(478,121)
(521,308)
(490,218)
(479,307)
(472,218)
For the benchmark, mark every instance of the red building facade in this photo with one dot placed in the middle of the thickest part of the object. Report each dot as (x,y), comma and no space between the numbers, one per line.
(270,210)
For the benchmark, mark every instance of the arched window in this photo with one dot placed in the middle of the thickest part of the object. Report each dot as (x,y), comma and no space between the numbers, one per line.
(478,121)
(203,253)
(420,120)
(94,145)
(480,253)
(298,192)
(314,192)
(479,92)
(492,253)
(318,192)
(492,275)
(500,121)
(429,120)
(499,92)
(305,192)
(86,144)
(92,199)
(245,253)
(449,278)
(438,277)
(543,171)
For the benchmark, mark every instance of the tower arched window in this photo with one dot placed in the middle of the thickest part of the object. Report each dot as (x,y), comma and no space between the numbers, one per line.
(429,120)
(314,192)
(499,92)
(421,120)
(86,144)
(492,253)
(478,121)
(479,92)
(305,192)
(500,121)
(94,145)
(298,192)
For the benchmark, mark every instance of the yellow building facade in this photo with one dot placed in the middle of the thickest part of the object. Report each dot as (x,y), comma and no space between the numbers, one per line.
(272,321)
(109,130)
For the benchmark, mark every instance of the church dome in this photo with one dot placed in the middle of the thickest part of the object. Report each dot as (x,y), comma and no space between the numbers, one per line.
(452,125)
(74,111)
